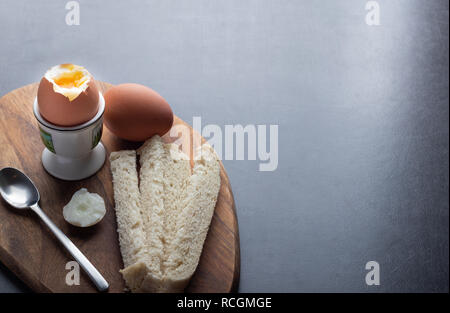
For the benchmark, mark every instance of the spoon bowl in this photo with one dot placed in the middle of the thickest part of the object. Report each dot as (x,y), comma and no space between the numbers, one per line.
(17,189)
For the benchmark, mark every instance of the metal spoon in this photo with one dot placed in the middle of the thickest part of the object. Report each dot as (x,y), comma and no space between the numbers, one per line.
(20,192)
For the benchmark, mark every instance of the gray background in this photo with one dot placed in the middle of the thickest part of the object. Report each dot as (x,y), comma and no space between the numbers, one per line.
(362,114)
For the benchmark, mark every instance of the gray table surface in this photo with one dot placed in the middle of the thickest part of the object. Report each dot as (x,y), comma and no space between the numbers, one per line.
(363,115)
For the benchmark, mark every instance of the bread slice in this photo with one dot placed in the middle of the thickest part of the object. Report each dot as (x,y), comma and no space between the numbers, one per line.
(131,225)
(197,204)
(163,223)
(164,171)
(176,175)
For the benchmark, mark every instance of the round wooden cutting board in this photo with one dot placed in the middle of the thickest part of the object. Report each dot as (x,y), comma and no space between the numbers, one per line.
(36,257)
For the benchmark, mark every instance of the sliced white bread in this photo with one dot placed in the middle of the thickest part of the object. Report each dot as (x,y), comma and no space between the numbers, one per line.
(131,226)
(197,204)
(175,210)
(152,162)
(176,175)
(164,171)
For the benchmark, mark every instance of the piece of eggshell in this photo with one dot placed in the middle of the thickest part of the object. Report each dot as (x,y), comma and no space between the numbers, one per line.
(135,112)
(59,110)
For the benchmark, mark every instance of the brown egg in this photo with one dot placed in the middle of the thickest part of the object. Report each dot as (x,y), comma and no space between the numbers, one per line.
(67,95)
(136,113)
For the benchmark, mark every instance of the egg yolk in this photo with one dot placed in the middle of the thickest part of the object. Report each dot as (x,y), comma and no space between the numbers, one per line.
(70,79)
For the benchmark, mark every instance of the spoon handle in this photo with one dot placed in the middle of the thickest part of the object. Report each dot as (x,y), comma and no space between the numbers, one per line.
(87,266)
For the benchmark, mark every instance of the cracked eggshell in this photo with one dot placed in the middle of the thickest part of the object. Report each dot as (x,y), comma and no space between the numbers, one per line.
(67,106)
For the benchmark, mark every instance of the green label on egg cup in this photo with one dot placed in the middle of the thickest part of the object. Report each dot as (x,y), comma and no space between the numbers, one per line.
(47,140)
(97,135)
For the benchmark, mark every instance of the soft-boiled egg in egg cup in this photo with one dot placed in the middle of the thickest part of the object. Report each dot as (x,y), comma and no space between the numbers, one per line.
(69,110)
(67,95)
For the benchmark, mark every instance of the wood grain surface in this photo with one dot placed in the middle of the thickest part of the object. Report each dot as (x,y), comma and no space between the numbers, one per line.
(30,250)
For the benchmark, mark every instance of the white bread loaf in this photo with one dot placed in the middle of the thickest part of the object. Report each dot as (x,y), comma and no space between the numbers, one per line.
(163,223)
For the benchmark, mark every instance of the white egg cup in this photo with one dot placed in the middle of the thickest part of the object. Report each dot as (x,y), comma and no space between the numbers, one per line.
(72,153)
